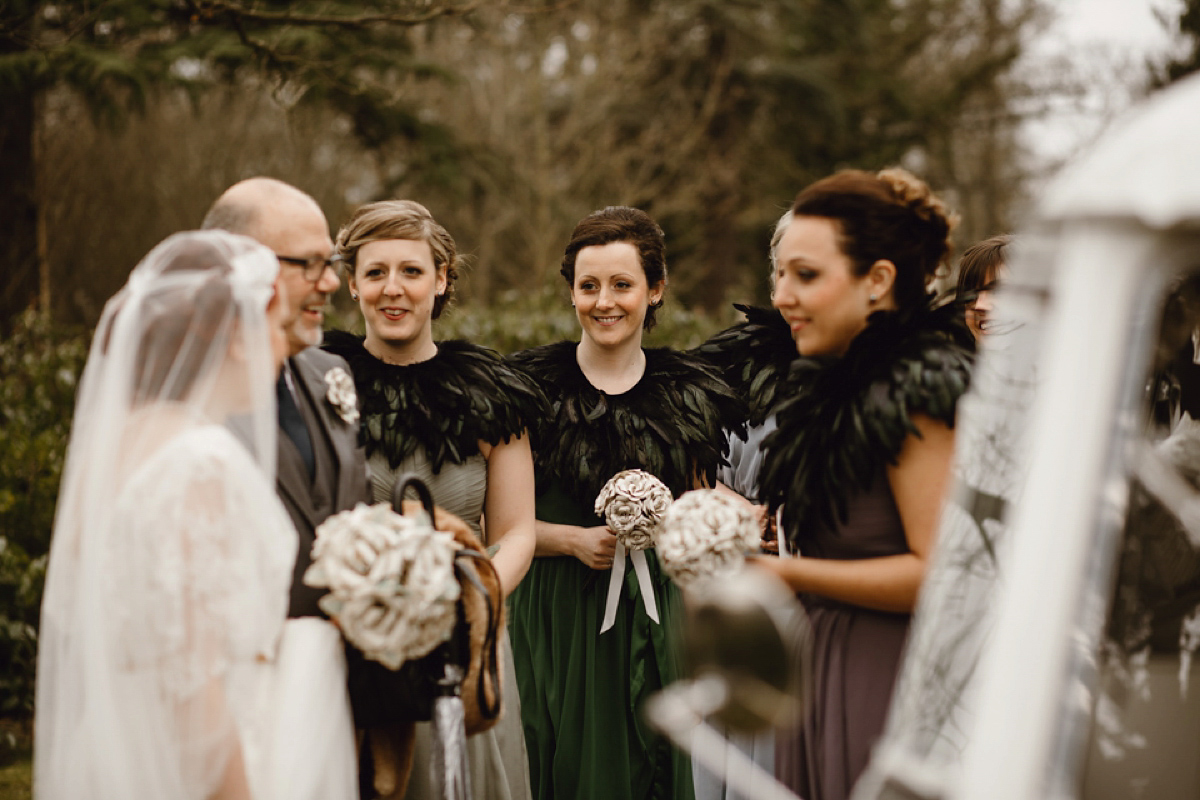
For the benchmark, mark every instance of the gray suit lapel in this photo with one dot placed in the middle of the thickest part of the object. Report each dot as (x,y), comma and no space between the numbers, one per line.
(320,419)
(341,437)
(292,478)
(292,475)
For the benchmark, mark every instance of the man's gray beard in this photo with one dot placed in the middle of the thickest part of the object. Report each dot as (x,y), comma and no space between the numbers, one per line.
(317,338)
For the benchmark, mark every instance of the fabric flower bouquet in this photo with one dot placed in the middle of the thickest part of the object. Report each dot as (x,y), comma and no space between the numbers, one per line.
(391,581)
(703,535)
(706,535)
(633,504)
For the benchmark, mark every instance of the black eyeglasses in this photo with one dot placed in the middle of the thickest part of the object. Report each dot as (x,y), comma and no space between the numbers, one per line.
(313,267)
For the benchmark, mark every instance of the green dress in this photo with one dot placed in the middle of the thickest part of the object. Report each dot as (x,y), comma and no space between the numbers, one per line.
(581,690)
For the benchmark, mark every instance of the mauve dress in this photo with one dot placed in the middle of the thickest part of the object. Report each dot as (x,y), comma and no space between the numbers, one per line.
(856,655)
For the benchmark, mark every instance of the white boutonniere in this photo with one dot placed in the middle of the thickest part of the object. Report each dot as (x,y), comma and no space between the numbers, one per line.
(341,394)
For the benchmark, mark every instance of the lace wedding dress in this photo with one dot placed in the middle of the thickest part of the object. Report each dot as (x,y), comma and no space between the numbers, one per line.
(202,668)
(167,667)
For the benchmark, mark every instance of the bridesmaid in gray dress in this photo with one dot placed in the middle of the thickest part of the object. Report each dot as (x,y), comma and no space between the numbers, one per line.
(754,356)
(863,448)
(455,415)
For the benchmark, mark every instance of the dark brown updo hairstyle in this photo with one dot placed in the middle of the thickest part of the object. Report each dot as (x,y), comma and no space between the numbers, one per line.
(980,263)
(890,215)
(401,219)
(622,224)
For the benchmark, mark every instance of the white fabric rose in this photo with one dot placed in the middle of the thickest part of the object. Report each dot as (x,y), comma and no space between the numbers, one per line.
(705,534)
(656,505)
(623,515)
(391,581)
(633,503)
(341,394)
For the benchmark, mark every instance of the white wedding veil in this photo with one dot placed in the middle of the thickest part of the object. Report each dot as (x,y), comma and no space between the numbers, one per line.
(170,559)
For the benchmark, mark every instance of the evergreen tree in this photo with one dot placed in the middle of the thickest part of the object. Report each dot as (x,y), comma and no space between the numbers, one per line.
(710,115)
(116,54)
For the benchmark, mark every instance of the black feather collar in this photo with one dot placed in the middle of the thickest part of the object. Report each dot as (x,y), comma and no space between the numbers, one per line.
(671,423)
(754,357)
(464,394)
(849,416)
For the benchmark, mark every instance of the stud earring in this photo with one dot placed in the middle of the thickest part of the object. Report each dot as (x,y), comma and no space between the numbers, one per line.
(353,296)
(874,298)
(441,292)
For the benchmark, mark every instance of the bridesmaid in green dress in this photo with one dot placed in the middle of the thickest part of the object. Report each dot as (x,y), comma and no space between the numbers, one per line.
(453,413)
(614,406)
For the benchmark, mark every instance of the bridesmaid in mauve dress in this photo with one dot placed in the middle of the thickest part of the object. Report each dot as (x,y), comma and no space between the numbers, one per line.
(863,448)
(456,415)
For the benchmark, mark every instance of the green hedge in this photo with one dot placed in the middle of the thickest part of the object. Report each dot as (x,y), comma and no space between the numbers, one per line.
(40,365)
(519,320)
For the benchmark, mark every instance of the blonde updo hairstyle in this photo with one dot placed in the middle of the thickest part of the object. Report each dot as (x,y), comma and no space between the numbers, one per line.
(401,219)
(891,215)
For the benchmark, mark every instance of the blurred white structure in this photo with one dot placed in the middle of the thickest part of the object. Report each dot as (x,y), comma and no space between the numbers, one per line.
(1017,682)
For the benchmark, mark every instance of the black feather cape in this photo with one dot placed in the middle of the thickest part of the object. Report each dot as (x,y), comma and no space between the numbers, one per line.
(671,423)
(754,357)
(464,394)
(848,417)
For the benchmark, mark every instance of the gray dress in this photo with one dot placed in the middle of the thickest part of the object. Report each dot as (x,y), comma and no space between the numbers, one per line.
(499,765)
(745,460)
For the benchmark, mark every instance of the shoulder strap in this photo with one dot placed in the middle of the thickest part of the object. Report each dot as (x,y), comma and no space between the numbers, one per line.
(406,481)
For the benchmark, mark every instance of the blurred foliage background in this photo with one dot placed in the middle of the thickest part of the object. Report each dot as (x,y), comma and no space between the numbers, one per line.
(121,121)
(40,364)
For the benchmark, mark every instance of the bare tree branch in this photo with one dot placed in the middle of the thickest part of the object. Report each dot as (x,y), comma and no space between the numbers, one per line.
(208,10)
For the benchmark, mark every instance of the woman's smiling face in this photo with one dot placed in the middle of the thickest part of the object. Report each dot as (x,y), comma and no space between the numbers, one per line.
(611,294)
(396,282)
(825,304)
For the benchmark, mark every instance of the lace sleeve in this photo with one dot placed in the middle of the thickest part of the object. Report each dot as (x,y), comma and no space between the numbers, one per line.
(197,581)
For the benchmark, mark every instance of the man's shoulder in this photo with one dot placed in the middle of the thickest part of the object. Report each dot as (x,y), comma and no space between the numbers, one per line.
(314,359)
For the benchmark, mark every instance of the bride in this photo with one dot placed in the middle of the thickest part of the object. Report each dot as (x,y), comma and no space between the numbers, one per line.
(166,667)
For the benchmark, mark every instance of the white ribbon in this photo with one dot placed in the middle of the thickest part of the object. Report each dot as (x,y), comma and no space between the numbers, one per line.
(780,536)
(616,579)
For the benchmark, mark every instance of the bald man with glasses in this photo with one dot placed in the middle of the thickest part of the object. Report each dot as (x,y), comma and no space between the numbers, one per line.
(321,469)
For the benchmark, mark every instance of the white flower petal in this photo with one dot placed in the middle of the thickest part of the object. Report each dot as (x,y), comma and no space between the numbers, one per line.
(392,582)
(632,503)
(705,534)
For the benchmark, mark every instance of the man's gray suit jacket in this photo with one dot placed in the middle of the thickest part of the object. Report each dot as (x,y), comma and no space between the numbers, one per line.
(340,479)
